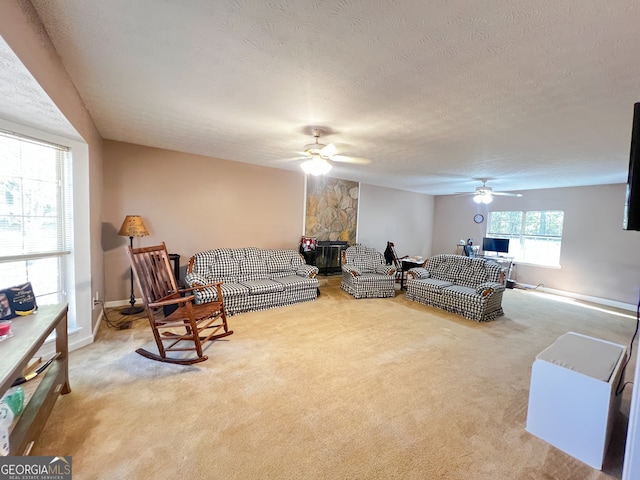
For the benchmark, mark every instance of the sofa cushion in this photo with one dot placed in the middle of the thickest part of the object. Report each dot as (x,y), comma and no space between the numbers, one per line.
(461,290)
(202,260)
(447,271)
(372,278)
(431,284)
(296,282)
(224,267)
(363,258)
(364,263)
(279,261)
(229,290)
(253,266)
(474,274)
(262,286)
(233,289)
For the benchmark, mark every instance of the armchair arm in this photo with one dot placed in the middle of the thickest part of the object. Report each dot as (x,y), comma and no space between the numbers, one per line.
(351,269)
(418,272)
(306,270)
(386,269)
(193,279)
(487,288)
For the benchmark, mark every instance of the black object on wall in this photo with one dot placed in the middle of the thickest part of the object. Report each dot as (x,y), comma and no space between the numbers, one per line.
(632,202)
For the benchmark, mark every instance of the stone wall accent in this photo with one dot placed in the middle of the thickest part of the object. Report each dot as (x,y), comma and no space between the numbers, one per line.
(332,209)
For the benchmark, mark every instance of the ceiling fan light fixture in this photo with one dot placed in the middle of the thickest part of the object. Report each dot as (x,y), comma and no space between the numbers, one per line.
(485,198)
(316,166)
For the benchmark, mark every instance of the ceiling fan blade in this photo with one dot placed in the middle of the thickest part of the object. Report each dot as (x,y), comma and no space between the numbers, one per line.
(328,150)
(349,159)
(507,194)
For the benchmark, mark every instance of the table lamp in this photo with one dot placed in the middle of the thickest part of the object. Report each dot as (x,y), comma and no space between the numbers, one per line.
(133,226)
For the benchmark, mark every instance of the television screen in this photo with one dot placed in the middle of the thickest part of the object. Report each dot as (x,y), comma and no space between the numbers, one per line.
(499,245)
(632,203)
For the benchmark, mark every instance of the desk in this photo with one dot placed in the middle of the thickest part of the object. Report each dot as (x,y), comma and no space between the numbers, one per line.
(29,333)
(408,264)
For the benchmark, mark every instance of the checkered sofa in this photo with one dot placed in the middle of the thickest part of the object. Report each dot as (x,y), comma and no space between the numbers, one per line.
(254,278)
(365,273)
(467,286)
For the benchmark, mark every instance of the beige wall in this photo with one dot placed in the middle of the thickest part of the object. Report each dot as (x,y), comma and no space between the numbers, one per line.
(389,215)
(194,203)
(23,32)
(597,259)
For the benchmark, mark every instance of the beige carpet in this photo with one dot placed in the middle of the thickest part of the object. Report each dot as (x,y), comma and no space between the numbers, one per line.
(338,388)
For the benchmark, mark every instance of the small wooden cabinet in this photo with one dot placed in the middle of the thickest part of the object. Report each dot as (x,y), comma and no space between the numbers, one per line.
(29,334)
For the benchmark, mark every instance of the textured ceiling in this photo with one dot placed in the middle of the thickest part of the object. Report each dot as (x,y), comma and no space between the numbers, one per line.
(23,101)
(436,93)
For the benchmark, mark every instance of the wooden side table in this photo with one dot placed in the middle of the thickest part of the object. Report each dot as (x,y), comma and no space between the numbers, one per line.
(29,334)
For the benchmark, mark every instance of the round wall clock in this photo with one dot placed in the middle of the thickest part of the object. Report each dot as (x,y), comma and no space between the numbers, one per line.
(478,218)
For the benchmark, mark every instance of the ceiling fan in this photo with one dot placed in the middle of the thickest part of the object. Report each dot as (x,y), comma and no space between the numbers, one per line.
(485,194)
(319,155)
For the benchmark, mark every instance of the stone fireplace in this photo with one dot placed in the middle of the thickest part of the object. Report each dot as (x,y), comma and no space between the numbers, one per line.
(331,217)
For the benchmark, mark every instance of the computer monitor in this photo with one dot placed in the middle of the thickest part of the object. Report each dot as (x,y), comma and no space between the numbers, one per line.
(498,245)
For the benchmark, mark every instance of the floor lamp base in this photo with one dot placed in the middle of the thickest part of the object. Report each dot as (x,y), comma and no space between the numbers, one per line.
(132,310)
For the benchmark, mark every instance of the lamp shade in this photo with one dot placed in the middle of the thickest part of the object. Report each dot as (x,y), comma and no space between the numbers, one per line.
(133,226)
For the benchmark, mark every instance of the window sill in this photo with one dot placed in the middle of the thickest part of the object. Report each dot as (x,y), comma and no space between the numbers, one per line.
(537,265)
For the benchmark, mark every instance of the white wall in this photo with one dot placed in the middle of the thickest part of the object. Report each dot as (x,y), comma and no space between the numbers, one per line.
(598,258)
(404,218)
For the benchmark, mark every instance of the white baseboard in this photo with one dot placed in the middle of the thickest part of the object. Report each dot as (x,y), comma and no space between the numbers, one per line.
(76,338)
(586,298)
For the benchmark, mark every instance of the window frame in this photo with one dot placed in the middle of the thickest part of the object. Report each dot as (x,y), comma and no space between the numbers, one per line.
(78,281)
(521,237)
(32,212)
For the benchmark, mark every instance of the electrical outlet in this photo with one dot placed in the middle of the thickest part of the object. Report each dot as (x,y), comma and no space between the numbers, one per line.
(96,301)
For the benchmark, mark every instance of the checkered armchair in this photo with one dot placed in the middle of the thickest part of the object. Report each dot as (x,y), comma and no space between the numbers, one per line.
(365,273)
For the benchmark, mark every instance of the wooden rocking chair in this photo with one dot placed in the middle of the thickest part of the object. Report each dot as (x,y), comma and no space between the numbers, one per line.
(195,323)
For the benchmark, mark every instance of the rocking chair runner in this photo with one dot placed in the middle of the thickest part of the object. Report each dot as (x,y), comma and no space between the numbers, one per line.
(200,323)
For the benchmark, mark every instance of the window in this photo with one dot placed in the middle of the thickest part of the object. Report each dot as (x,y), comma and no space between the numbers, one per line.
(535,237)
(35,215)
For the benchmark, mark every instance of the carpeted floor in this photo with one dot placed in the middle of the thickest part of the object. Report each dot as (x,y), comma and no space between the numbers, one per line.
(338,388)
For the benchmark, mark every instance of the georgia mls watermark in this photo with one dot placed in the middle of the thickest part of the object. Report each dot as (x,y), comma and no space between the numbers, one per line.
(35,468)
